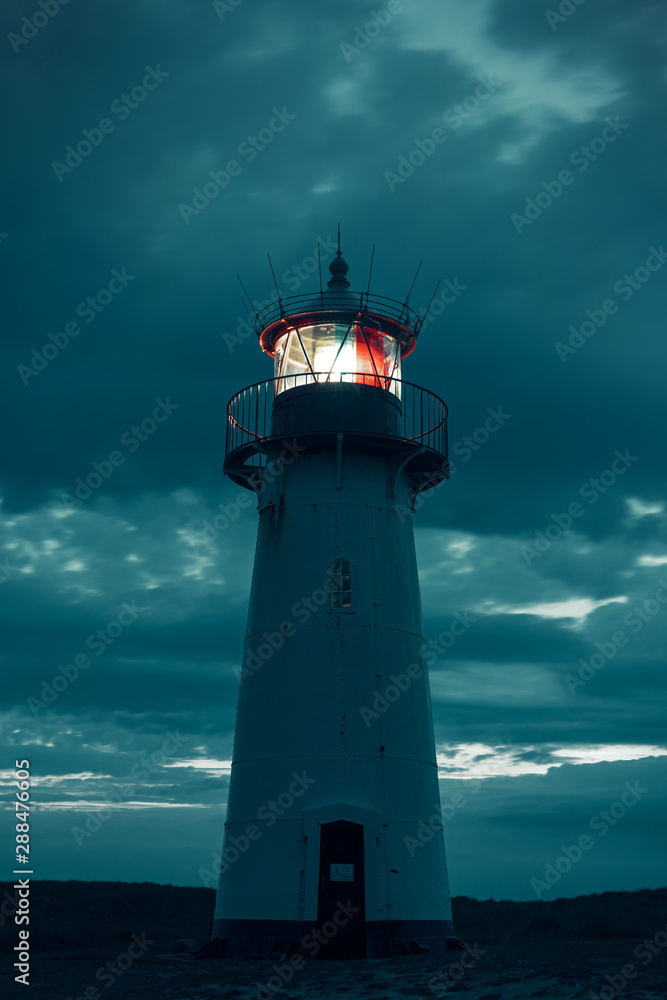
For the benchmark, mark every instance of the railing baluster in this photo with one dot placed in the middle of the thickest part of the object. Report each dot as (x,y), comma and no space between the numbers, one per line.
(249,418)
(421,415)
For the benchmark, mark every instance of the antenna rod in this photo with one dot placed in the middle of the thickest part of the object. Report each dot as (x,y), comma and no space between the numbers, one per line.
(370,271)
(248,297)
(339,237)
(280,301)
(421,321)
(274,276)
(245,306)
(407,297)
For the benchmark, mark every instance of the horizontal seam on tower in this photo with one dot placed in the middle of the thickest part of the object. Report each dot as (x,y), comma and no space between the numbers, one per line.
(298,819)
(333,506)
(333,756)
(342,624)
(277,819)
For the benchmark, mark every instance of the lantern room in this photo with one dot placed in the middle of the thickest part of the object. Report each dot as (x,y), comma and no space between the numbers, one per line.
(337,377)
(337,352)
(337,336)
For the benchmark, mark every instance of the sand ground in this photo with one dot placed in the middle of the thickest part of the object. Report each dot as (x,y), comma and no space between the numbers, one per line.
(553,970)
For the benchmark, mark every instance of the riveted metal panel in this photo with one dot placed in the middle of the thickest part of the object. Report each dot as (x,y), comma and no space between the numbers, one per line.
(339,698)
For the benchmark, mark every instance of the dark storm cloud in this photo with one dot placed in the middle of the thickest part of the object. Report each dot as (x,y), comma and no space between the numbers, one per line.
(366,112)
(526,821)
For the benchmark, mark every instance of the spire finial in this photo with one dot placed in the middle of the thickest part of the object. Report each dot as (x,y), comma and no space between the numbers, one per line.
(338,268)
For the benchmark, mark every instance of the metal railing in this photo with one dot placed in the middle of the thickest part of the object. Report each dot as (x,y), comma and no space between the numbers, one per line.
(249,413)
(346,301)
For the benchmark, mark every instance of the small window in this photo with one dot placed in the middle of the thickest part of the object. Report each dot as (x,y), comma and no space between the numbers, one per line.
(341,585)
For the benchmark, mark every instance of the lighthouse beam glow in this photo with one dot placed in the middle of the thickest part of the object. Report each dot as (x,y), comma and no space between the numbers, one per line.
(335,352)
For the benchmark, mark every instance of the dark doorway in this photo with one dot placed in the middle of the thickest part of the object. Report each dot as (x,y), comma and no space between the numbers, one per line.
(341,911)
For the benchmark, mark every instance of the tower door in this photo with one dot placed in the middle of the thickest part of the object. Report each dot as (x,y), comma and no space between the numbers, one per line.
(341,911)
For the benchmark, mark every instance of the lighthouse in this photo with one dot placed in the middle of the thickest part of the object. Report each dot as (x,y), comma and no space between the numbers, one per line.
(333,841)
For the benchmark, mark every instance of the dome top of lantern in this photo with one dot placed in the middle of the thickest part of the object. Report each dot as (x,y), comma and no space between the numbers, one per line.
(338,268)
(337,303)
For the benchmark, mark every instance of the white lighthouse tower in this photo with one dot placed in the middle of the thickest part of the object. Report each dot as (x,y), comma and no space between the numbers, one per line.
(334,770)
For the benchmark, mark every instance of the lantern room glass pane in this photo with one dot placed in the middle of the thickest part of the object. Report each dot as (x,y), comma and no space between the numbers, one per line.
(337,352)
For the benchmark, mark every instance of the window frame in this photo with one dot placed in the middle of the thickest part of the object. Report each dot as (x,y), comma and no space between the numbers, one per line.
(340,573)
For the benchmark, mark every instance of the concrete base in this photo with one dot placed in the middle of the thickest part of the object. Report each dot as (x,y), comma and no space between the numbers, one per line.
(280,939)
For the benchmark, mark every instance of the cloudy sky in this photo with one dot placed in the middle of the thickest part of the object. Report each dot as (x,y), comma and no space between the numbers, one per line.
(520,152)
